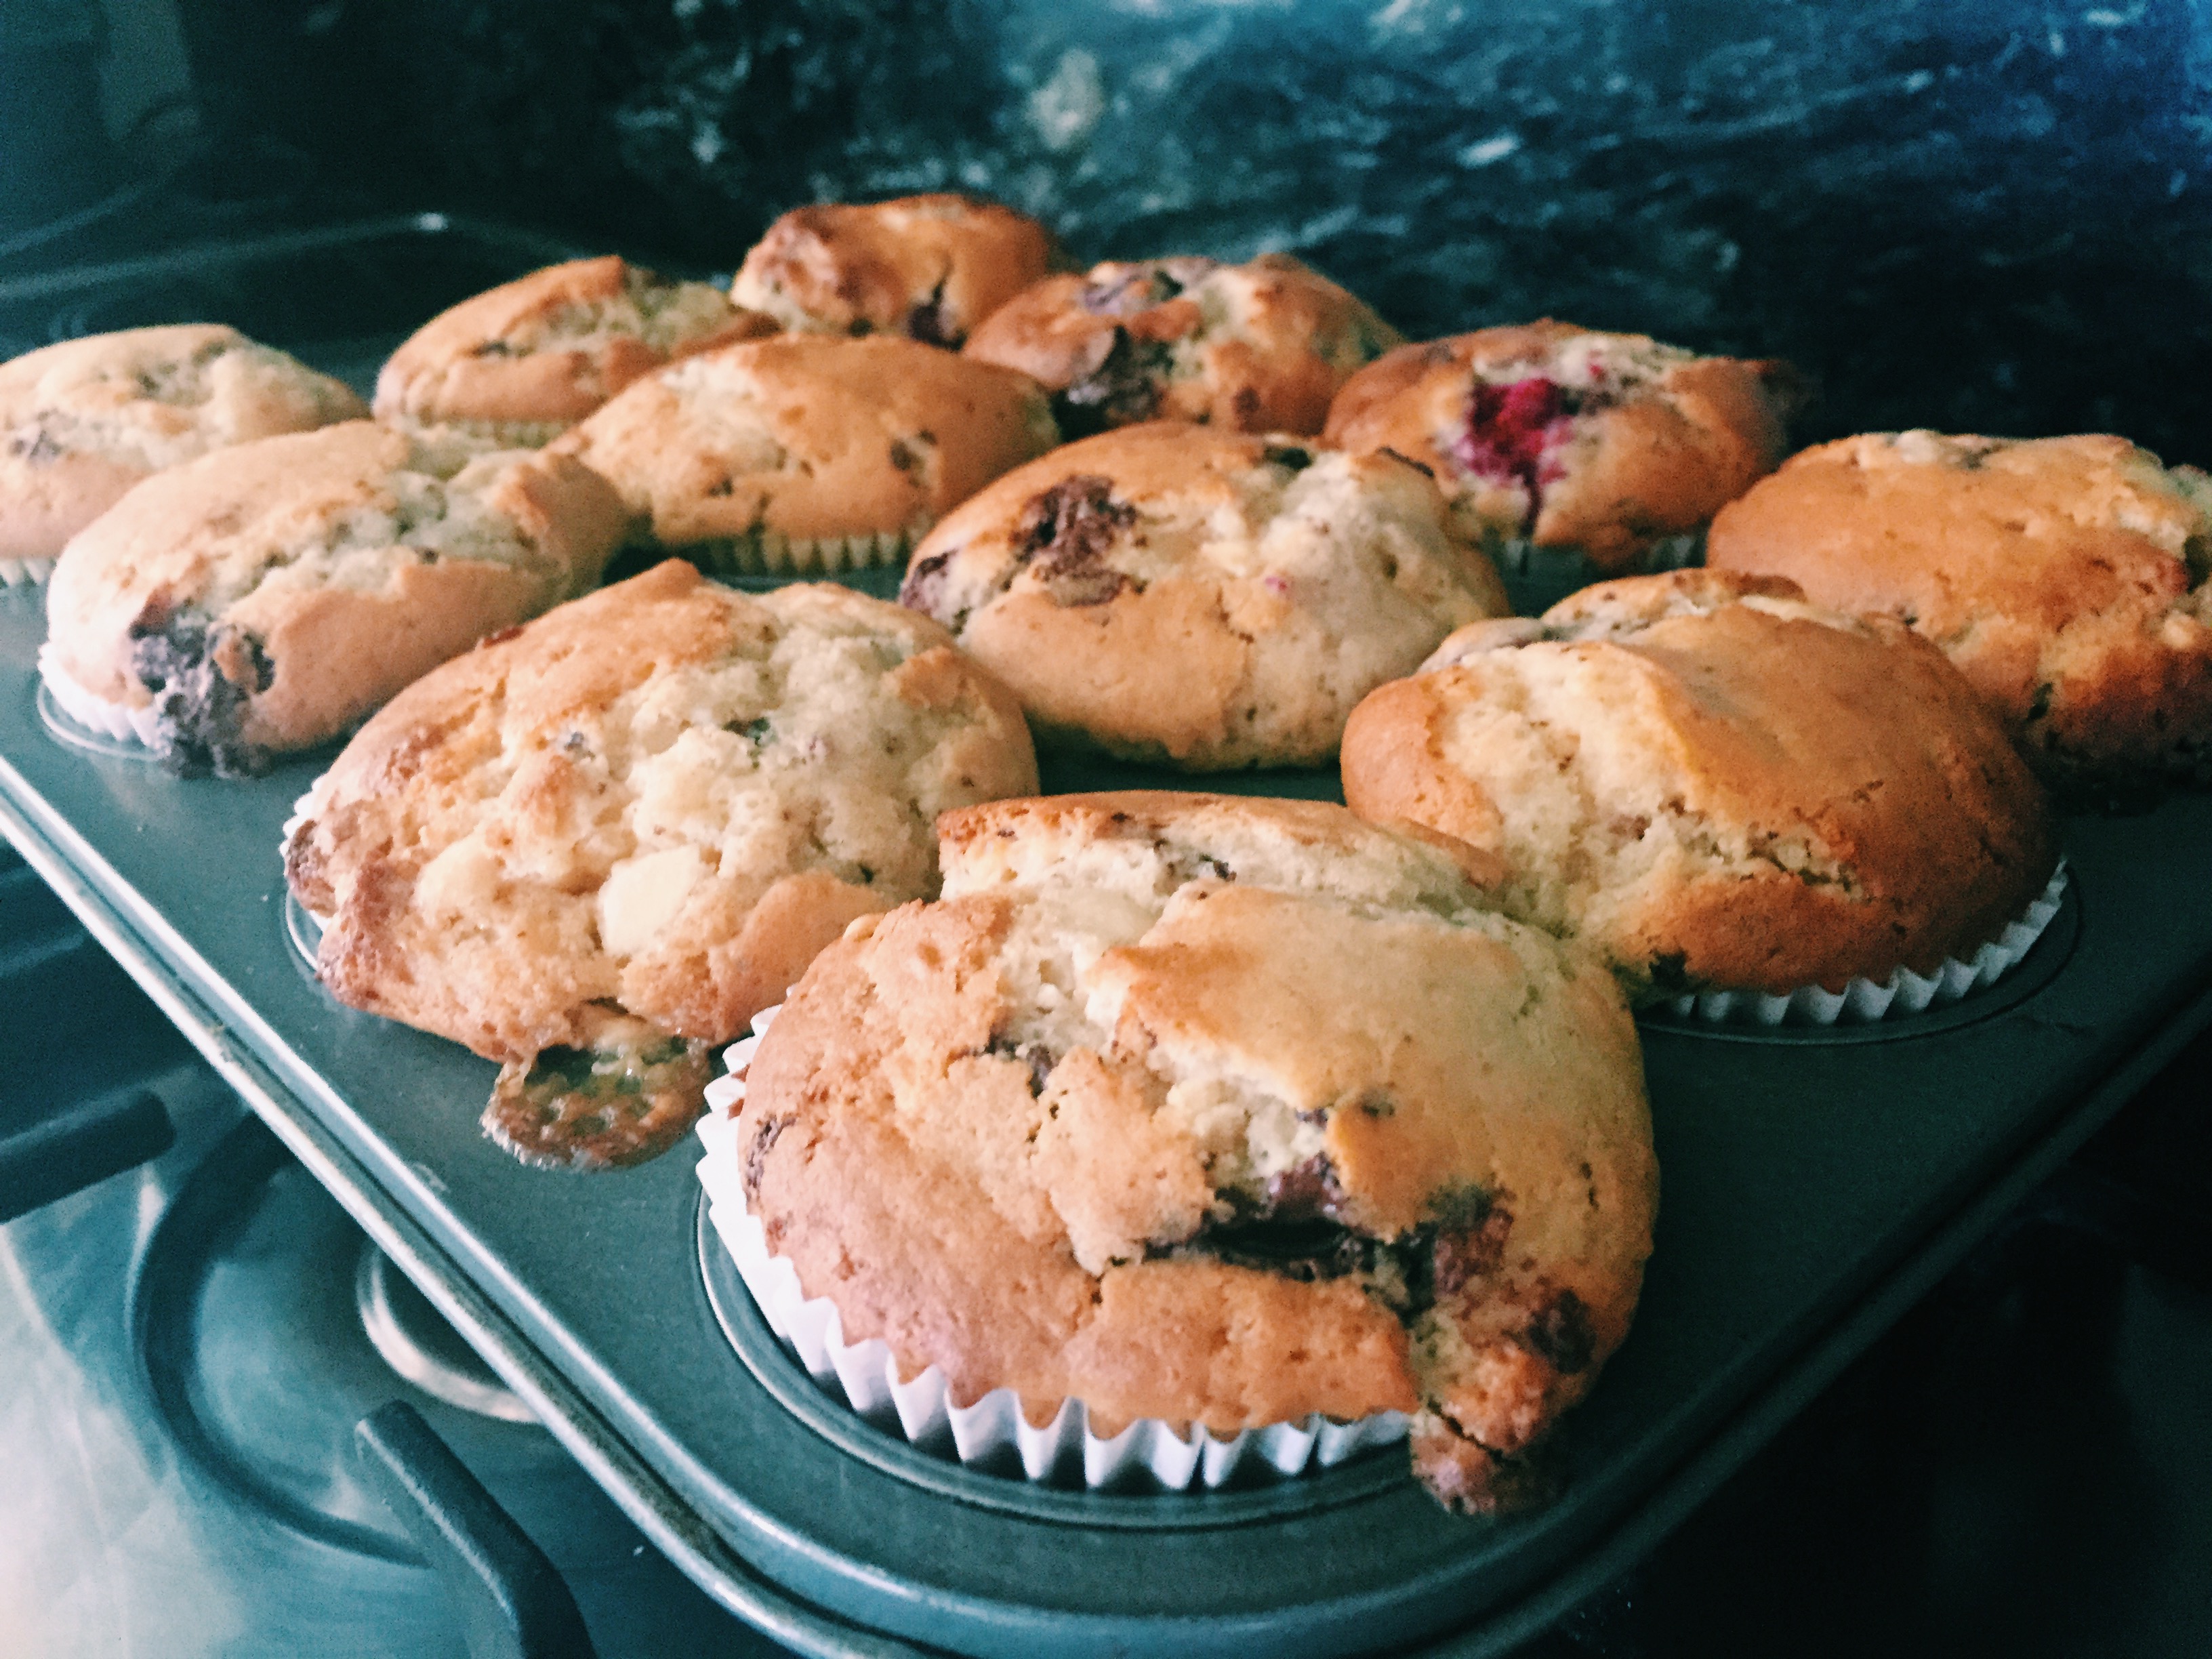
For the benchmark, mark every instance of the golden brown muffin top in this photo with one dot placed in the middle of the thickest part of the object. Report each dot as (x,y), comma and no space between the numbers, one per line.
(929,267)
(1259,347)
(1716,783)
(2065,577)
(1569,437)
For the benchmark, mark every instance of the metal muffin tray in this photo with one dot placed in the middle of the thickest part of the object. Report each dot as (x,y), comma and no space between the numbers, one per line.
(1813,1184)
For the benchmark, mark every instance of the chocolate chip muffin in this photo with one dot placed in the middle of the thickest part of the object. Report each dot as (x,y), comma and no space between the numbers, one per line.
(1203,597)
(928,267)
(1261,347)
(806,452)
(1550,437)
(264,597)
(83,420)
(523,362)
(622,830)
(1221,1112)
(1714,783)
(2065,577)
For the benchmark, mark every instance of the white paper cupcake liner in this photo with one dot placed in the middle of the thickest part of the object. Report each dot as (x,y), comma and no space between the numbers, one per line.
(25,572)
(114,719)
(993,1432)
(1863,1001)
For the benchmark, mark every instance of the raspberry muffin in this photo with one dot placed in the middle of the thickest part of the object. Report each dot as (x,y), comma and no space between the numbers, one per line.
(1613,447)
(83,420)
(1261,347)
(807,453)
(597,845)
(1202,597)
(525,362)
(264,597)
(1220,1112)
(1716,784)
(2065,577)
(928,267)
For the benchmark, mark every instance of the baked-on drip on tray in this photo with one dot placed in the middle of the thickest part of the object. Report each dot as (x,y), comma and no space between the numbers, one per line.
(521,363)
(1716,784)
(1220,1112)
(929,267)
(1208,597)
(594,847)
(264,597)
(1546,436)
(1259,347)
(809,453)
(2066,577)
(83,420)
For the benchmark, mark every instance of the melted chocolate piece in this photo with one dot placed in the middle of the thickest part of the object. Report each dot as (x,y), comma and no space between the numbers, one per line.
(1560,1333)
(1465,1253)
(1287,455)
(1065,534)
(1122,390)
(601,1108)
(928,323)
(203,675)
(923,590)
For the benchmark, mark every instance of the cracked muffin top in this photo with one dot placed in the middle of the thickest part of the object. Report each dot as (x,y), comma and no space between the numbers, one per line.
(807,452)
(1208,597)
(1261,347)
(523,362)
(1716,784)
(2066,577)
(264,597)
(83,420)
(654,803)
(928,267)
(1605,444)
(1217,1111)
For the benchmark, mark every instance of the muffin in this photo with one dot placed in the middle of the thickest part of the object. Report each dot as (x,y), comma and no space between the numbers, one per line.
(1613,447)
(929,267)
(622,830)
(806,453)
(2065,577)
(1261,347)
(1217,1112)
(264,597)
(83,420)
(1714,783)
(1206,597)
(522,363)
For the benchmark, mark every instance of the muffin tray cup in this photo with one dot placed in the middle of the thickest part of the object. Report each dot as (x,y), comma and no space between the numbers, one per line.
(1815,1182)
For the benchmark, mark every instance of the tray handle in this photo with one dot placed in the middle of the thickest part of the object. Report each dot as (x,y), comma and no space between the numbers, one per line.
(514,1604)
(85,1141)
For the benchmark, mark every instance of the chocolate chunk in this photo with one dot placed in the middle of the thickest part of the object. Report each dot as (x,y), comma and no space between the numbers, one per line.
(1561,1334)
(1462,1254)
(203,677)
(1122,390)
(923,590)
(928,323)
(1287,455)
(1305,1192)
(1065,534)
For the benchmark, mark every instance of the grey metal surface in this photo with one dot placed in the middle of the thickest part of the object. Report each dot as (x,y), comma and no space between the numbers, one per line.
(1798,1174)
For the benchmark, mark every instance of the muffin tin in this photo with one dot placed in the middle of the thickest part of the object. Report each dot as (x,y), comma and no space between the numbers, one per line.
(1813,1182)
